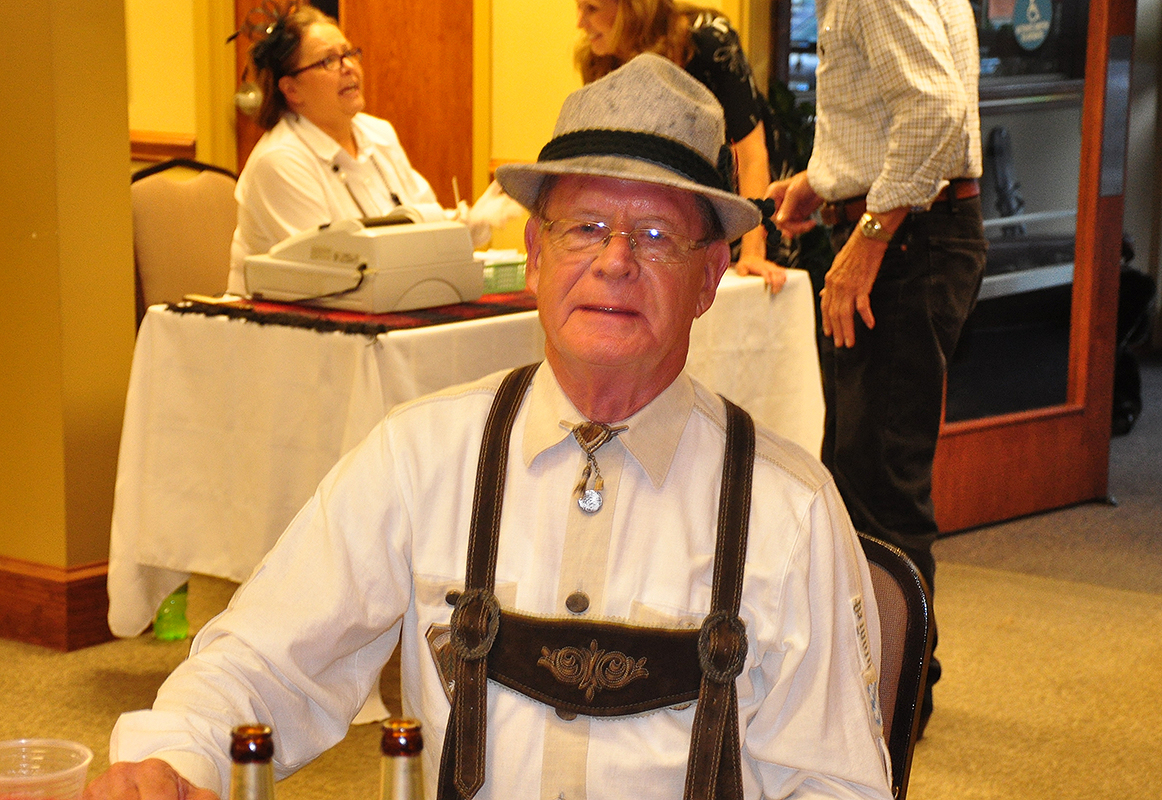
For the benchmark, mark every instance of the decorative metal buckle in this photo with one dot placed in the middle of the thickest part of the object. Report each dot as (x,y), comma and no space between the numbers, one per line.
(722,646)
(475,621)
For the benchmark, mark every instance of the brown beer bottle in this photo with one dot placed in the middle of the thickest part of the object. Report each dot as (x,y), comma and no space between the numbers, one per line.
(251,751)
(400,775)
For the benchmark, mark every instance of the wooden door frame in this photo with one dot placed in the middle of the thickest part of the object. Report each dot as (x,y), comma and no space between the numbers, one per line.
(1002,467)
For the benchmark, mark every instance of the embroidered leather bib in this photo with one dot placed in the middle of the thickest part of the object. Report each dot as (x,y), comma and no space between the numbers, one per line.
(599,668)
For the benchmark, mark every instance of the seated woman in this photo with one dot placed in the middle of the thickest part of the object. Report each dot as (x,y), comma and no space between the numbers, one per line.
(322,159)
(702,42)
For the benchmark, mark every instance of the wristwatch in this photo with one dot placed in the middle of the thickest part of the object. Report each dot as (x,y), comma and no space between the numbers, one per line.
(872,228)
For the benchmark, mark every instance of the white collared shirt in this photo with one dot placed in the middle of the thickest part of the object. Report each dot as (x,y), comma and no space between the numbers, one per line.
(298,177)
(370,559)
(897,102)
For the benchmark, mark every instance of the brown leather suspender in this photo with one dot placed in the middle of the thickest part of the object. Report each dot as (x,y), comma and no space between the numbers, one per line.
(674,666)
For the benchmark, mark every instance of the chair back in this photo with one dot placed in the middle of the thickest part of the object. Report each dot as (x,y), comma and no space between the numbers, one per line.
(906,646)
(184,214)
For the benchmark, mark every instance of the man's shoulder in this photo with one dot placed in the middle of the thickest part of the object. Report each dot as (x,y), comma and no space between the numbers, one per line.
(773,453)
(452,399)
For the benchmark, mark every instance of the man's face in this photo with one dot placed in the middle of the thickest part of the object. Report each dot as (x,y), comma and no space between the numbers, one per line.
(612,308)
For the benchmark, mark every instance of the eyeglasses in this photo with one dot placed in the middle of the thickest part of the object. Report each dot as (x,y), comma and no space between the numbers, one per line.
(648,244)
(332,62)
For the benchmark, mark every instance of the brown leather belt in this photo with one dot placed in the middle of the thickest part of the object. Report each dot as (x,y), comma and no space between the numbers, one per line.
(850,210)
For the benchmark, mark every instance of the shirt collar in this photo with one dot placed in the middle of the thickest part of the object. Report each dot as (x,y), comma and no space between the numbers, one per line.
(652,433)
(320,143)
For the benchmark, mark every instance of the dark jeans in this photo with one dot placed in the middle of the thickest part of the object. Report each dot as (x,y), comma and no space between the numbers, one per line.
(884,395)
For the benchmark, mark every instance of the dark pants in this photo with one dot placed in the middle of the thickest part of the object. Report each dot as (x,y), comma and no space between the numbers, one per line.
(885,395)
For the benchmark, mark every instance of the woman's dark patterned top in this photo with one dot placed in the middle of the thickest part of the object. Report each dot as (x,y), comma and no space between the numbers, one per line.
(719,63)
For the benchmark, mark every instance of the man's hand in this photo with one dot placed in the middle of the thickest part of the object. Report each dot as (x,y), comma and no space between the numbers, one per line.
(795,202)
(847,288)
(152,779)
(848,284)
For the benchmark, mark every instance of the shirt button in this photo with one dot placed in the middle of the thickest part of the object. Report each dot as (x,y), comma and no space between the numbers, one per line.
(568,716)
(578,602)
(451,597)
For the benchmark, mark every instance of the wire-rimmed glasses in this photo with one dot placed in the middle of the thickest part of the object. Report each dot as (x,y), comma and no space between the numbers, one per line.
(648,243)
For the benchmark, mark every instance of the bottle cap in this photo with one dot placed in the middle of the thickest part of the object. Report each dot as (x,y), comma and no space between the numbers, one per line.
(251,743)
(402,736)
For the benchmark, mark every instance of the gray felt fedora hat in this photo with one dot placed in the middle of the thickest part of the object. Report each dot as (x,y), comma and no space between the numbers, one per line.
(648,120)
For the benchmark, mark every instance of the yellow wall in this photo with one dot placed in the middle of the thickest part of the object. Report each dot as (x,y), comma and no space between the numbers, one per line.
(214,83)
(160,53)
(181,73)
(66,331)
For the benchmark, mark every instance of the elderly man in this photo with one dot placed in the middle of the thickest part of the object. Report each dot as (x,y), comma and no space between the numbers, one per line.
(604,584)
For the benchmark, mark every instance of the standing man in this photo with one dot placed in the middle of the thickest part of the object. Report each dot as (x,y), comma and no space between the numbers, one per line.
(894,171)
(591,597)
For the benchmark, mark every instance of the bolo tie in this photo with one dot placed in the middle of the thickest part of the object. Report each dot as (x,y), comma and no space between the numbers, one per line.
(591,436)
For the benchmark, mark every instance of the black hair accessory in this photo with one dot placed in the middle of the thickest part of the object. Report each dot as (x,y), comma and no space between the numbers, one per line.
(265,26)
(766,207)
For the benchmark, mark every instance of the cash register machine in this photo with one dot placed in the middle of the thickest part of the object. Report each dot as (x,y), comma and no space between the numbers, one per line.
(374,266)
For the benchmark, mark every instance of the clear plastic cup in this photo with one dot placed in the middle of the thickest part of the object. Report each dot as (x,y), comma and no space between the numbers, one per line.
(43,769)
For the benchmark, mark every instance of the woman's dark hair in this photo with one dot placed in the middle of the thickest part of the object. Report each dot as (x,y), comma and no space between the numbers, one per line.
(273,51)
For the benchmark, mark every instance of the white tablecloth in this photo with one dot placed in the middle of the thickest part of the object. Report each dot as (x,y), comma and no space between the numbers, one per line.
(230,425)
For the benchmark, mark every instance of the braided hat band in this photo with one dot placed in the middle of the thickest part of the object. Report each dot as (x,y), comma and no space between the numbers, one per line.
(643,146)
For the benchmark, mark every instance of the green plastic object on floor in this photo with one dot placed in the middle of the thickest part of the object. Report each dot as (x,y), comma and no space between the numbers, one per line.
(171,624)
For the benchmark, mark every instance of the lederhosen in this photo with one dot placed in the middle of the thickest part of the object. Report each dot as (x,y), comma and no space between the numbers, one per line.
(625,669)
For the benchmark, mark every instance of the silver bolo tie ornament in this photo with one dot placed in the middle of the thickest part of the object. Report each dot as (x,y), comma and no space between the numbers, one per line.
(591,436)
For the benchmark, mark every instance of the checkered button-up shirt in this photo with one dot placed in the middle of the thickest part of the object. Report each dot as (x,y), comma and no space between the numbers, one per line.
(897,112)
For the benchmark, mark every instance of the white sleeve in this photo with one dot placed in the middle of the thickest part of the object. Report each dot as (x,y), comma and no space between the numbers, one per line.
(301,643)
(911,59)
(817,730)
(280,193)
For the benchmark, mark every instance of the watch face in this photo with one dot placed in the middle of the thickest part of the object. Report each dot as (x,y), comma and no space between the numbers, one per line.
(872,229)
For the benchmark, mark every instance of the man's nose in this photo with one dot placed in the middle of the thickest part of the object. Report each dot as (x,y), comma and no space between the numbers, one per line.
(617,258)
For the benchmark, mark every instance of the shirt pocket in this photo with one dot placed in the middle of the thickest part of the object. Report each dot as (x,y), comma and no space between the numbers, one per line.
(435,599)
(841,61)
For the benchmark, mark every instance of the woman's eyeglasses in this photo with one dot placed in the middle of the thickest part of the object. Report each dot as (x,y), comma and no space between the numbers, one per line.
(332,62)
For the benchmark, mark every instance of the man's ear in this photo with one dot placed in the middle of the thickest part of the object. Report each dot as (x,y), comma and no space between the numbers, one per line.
(533,248)
(716,263)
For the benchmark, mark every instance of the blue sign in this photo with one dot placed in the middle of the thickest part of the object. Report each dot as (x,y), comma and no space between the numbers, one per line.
(1031,22)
